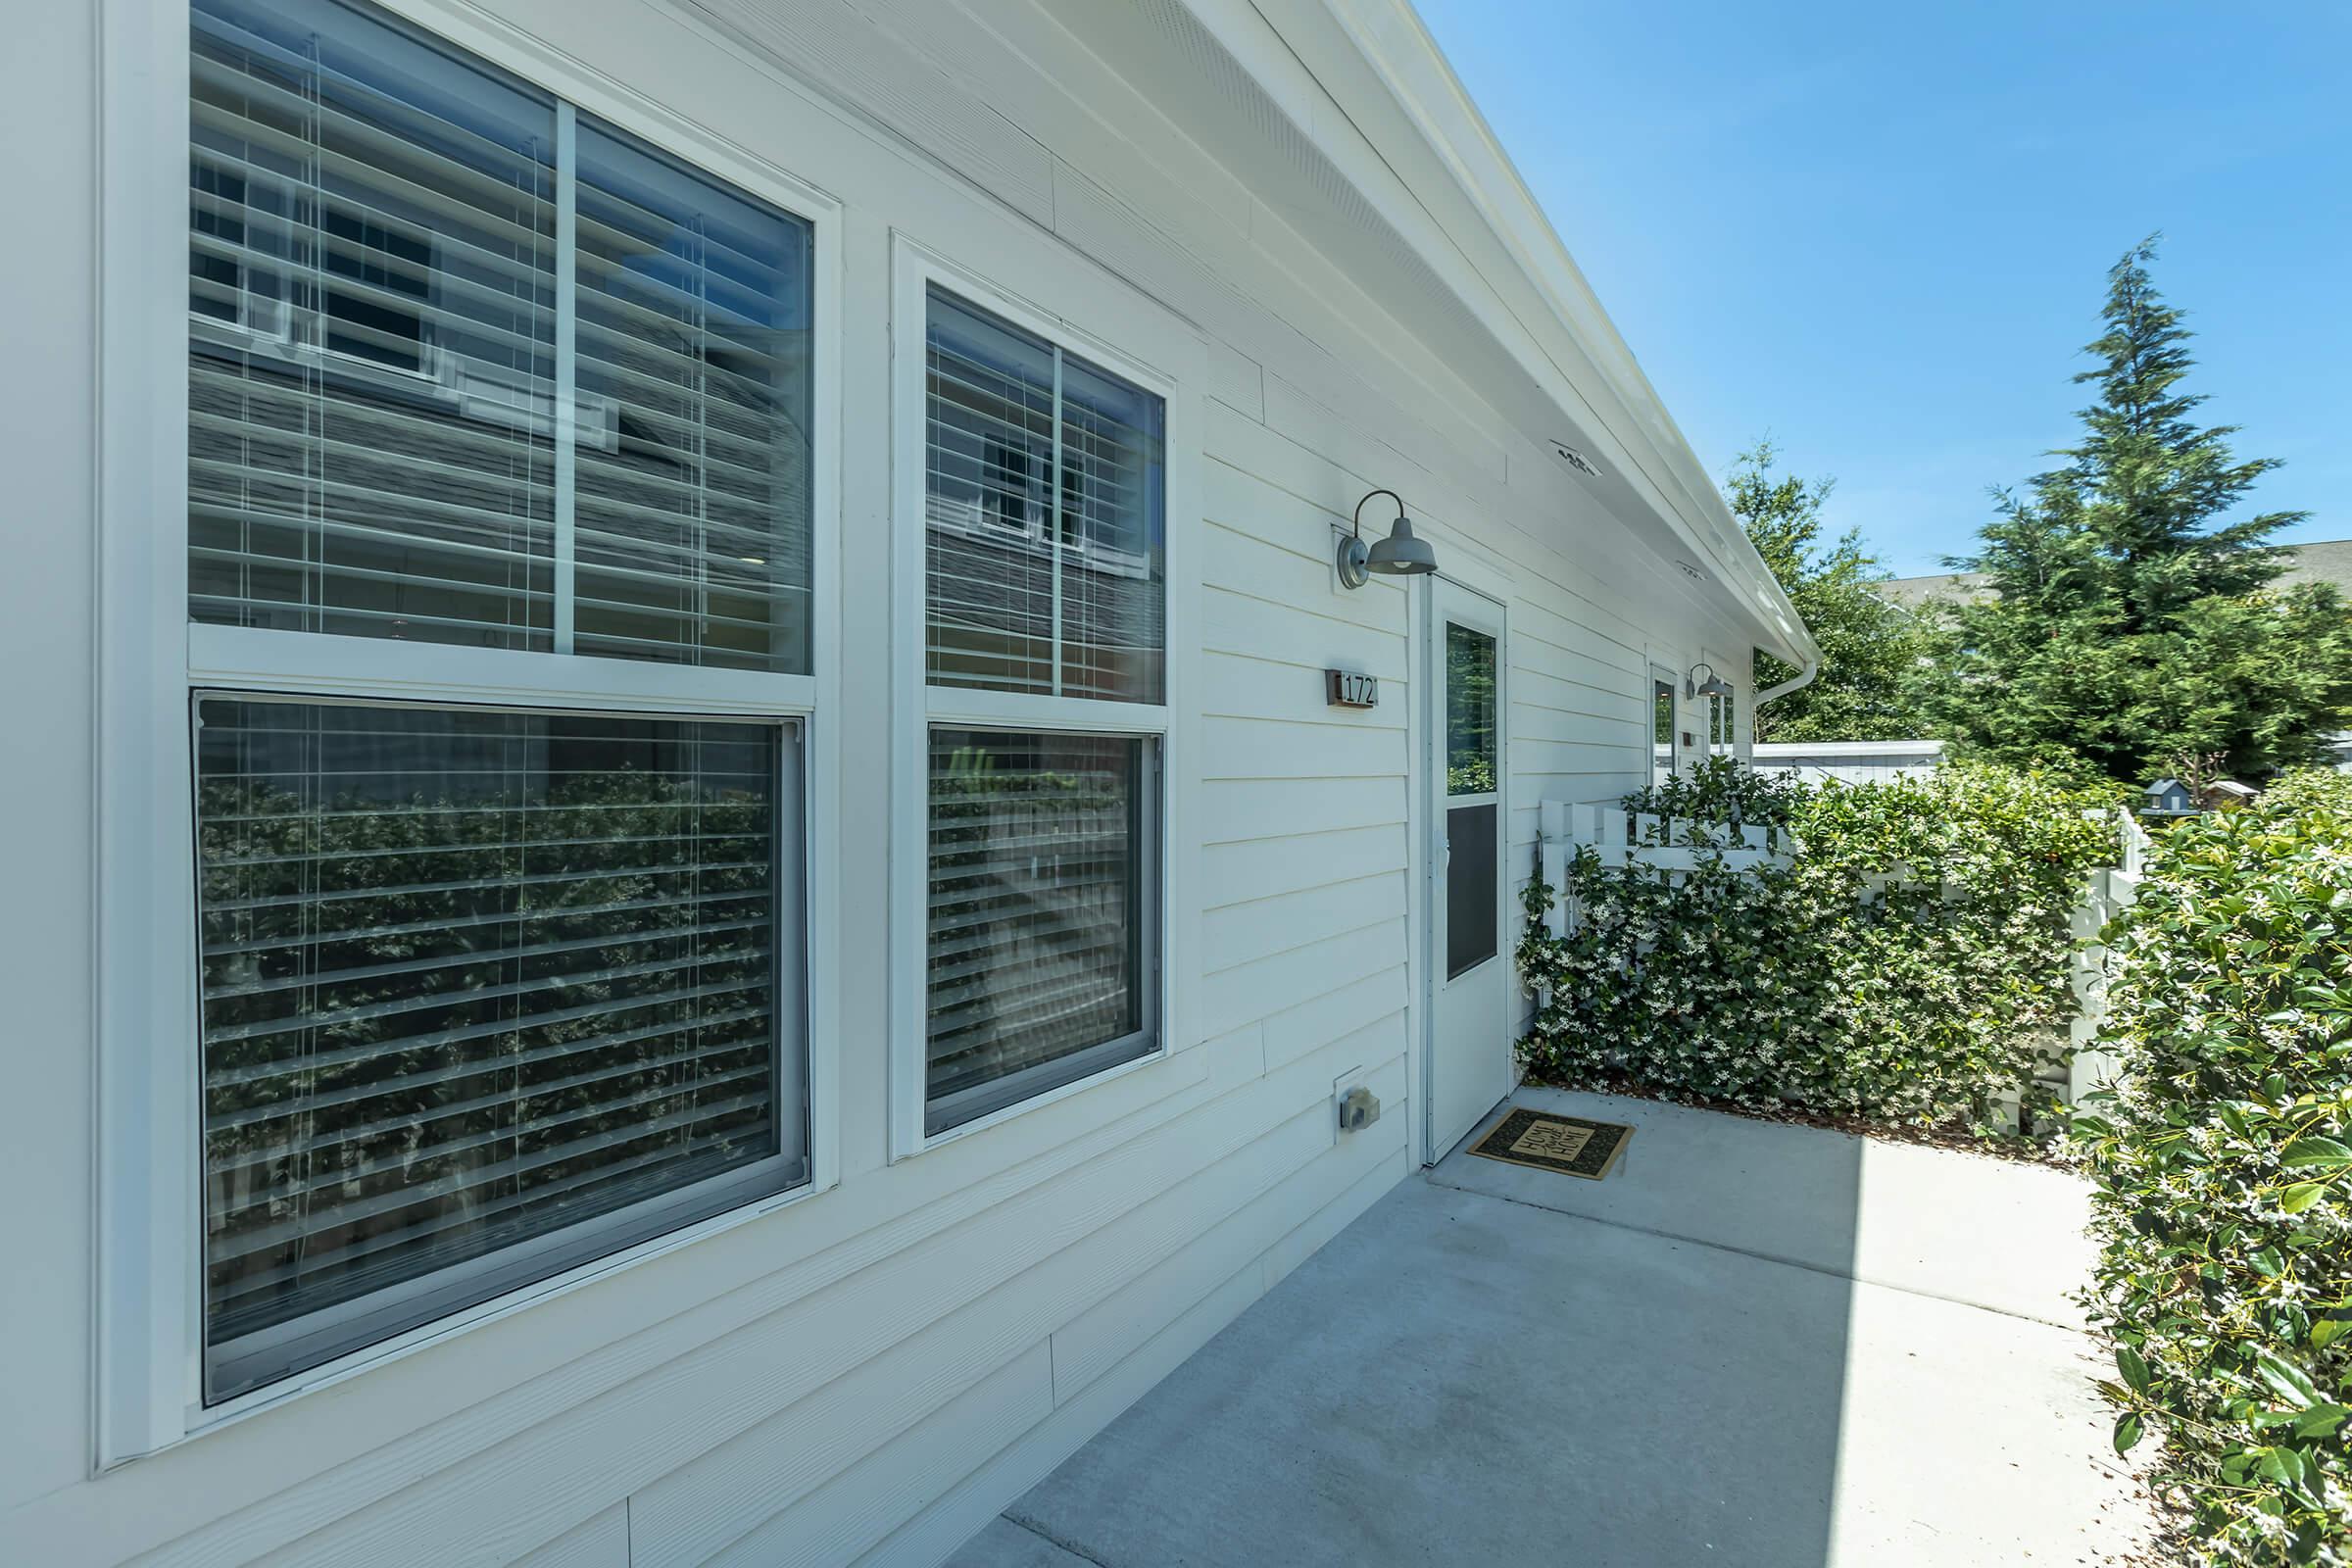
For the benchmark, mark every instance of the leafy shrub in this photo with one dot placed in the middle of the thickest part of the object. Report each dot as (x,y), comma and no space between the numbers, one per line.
(2223,1164)
(1907,967)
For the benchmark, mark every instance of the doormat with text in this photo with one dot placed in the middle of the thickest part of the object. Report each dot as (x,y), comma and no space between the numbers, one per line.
(1569,1144)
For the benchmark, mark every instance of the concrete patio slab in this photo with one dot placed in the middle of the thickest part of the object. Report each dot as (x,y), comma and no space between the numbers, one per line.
(1475,1371)
(1992,1233)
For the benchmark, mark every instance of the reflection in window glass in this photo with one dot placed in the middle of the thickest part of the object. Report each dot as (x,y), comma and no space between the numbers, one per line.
(693,416)
(1040,870)
(371,282)
(1045,546)
(375,345)
(1470,714)
(472,978)
(1661,736)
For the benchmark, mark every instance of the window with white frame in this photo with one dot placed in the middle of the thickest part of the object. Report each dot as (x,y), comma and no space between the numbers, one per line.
(502,981)
(1044,664)
(1662,719)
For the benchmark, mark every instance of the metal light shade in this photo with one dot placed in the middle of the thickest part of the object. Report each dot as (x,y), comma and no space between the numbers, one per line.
(1401,555)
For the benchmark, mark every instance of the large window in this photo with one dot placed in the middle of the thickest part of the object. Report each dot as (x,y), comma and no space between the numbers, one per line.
(498,983)
(468,366)
(472,979)
(1044,666)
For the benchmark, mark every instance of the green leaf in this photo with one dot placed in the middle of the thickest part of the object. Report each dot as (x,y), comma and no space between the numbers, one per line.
(2315,1150)
(2300,1196)
(2326,1331)
(2288,1382)
(2134,1367)
(2320,1420)
(2128,1433)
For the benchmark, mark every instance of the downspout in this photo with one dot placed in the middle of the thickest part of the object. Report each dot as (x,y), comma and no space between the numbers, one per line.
(1798,682)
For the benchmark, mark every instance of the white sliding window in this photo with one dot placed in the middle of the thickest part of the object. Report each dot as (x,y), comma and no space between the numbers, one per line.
(499,972)
(1044,666)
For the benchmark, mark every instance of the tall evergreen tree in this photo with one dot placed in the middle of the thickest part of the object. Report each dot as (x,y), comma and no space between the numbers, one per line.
(2127,620)
(1871,650)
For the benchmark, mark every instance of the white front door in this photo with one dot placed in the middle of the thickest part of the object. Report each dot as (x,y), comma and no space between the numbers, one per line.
(1468,1054)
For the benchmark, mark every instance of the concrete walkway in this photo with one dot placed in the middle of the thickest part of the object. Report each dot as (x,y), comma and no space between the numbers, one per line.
(1757,1345)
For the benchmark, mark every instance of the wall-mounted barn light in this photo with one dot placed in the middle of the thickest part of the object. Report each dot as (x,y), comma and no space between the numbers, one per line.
(1703,681)
(1399,554)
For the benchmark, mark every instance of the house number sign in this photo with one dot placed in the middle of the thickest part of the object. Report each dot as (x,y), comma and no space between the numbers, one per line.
(1348,688)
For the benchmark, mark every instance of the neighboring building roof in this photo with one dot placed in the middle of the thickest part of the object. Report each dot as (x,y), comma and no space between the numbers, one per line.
(1790,751)
(2230,786)
(2161,786)
(2321,560)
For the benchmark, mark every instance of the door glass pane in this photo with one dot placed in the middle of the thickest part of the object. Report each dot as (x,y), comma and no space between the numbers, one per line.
(692,418)
(1473,864)
(470,979)
(371,331)
(1470,716)
(1040,873)
(1661,707)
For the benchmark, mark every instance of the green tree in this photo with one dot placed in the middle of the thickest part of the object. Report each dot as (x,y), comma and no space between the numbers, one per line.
(1871,650)
(2127,622)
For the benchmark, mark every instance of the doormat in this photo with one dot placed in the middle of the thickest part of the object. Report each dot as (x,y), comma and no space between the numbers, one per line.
(1569,1144)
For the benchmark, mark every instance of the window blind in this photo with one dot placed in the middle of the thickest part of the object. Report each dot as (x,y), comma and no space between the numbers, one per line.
(693,467)
(372,299)
(470,979)
(1040,867)
(384,316)
(1046,539)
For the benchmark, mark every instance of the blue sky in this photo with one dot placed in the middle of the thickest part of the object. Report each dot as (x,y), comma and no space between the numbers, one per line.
(1879,234)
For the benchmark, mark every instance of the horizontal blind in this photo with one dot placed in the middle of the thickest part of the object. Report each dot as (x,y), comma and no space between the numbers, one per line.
(1113,571)
(380,309)
(470,978)
(1045,543)
(1039,863)
(692,343)
(371,297)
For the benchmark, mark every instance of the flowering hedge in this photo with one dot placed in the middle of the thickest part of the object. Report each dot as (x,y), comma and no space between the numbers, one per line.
(2223,1171)
(1908,967)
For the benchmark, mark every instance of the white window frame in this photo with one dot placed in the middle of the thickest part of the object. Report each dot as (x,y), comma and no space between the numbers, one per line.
(150,1295)
(1660,675)
(918,706)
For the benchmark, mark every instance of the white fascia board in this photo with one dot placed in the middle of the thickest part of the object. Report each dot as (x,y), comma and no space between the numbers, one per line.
(1409,139)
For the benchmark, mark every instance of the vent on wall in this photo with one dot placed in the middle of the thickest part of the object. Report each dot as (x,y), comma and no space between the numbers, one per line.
(1691,571)
(1577,460)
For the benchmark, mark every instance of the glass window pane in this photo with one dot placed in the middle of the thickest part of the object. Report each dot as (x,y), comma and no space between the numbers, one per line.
(1473,867)
(1046,535)
(472,979)
(1112,537)
(693,440)
(1040,902)
(1470,741)
(371,331)
(1662,706)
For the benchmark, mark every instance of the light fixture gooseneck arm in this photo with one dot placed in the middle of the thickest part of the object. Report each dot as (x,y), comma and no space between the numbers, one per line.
(1359,508)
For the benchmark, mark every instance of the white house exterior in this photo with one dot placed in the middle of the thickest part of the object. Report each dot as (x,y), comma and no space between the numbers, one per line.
(683,887)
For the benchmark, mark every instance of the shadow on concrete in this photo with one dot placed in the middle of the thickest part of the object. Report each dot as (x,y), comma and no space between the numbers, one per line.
(1753,1345)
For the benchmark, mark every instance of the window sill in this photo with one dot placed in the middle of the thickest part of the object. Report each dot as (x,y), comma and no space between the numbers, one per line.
(202,1420)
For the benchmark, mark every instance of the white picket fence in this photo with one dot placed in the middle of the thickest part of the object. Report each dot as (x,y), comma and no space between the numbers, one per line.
(1619,837)
(2112,890)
